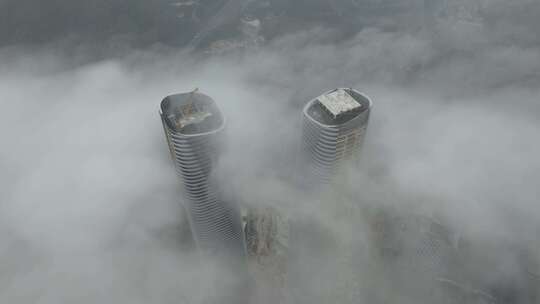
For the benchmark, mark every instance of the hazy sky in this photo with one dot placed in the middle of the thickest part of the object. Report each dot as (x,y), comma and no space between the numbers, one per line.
(90,212)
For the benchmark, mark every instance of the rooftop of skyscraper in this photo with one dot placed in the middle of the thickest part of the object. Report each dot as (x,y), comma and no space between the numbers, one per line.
(191,113)
(337,106)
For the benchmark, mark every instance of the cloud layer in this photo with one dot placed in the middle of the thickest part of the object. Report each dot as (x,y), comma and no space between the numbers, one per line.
(90,209)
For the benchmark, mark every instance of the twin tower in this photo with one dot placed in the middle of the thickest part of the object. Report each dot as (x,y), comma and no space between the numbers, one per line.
(334,126)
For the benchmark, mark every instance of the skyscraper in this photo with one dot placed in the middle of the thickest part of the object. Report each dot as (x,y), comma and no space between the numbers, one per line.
(334,126)
(193,124)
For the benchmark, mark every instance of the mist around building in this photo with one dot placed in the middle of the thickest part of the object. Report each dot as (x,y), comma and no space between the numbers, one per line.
(368,151)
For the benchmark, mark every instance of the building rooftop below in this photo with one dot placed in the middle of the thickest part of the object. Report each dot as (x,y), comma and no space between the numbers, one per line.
(338,106)
(338,102)
(191,113)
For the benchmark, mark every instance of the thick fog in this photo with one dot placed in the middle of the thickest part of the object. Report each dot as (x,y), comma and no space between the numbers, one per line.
(90,207)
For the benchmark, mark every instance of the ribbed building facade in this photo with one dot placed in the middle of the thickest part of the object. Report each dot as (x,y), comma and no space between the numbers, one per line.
(193,124)
(334,127)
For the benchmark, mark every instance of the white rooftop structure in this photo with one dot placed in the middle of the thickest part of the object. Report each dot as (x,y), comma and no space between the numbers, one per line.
(191,118)
(338,102)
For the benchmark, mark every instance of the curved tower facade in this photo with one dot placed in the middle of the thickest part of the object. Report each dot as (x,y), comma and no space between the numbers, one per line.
(334,127)
(193,124)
